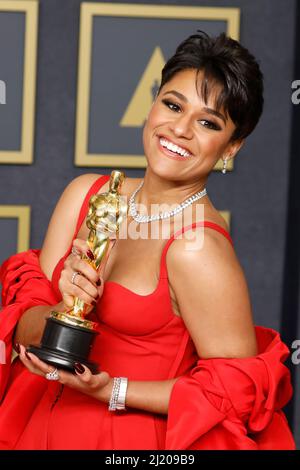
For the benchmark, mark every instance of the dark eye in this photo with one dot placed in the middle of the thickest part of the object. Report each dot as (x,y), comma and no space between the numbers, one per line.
(209,124)
(172,106)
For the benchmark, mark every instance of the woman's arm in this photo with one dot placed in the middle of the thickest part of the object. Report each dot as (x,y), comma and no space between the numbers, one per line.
(151,396)
(58,238)
(31,325)
(213,297)
(214,303)
(63,222)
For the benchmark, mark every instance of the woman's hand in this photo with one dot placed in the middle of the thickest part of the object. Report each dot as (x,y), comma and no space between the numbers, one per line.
(98,386)
(87,285)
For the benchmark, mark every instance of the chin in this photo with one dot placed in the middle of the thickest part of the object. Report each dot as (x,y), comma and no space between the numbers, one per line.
(162,168)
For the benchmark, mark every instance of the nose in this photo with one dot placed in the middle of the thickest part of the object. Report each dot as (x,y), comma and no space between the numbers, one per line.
(182,127)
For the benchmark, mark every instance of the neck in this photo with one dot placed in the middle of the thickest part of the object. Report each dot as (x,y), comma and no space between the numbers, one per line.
(157,190)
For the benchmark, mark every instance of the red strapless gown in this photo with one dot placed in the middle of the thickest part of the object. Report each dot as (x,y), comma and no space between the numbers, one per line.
(141,338)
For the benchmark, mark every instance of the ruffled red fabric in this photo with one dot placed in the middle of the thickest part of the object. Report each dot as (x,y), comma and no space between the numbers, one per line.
(234,403)
(220,404)
(24,285)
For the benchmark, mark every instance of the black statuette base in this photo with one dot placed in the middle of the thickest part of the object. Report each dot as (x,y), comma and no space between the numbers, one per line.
(63,345)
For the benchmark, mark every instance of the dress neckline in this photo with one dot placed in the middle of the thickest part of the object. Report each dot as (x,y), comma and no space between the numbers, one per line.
(163,274)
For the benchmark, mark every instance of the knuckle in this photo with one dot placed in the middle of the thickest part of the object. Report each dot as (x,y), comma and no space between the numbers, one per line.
(82,296)
(104,376)
(94,275)
(95,292)
(94,385)
(87,380)
(88,299)
(77,291)
(82,265)
(68,297)
(78,242)
(92,291)
(67,262)
(64,274)
(81,281)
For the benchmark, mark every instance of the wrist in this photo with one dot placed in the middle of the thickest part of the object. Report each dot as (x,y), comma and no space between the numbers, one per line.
(117,400)
(106,391)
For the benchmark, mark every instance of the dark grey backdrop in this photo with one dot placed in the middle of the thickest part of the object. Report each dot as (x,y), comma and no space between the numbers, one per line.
(261,191)
(12,30)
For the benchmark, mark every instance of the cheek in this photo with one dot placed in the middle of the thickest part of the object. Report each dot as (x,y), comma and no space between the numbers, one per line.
(215,145)
(145,134)
(150,126)
(155,117)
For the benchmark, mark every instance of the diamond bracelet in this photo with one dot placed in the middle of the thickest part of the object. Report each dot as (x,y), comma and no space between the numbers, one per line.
(118,394)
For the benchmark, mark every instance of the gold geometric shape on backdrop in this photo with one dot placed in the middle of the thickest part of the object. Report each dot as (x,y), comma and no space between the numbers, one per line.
(30,8)
(88,11)
(22,213)
(226,216)
(142,98)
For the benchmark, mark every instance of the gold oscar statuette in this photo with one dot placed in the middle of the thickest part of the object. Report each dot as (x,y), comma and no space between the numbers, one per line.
(69,335)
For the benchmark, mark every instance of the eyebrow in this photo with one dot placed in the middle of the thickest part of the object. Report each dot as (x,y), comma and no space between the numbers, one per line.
(211,111)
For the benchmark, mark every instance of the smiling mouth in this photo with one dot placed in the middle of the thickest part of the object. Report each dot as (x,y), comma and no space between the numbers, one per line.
(173,150)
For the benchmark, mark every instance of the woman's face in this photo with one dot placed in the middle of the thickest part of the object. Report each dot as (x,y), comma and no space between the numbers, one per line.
(184,137)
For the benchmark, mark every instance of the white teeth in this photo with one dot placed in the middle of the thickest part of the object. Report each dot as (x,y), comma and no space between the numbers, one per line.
(173,147)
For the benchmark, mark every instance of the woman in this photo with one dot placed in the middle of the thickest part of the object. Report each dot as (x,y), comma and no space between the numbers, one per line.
(177,345)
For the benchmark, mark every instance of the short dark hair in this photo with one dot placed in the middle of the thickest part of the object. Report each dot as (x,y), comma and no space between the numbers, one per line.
(224,62)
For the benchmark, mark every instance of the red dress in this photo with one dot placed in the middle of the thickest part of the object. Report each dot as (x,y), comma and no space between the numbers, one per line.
(215,404)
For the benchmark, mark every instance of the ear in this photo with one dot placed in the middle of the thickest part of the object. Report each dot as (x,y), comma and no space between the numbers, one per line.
(233,148)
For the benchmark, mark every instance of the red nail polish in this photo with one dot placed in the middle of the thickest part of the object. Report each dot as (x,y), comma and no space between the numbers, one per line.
(90,255)
(27,355)
(79,368)
(17,348)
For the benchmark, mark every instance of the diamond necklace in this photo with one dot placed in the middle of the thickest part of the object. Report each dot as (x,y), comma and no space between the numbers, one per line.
(162,215)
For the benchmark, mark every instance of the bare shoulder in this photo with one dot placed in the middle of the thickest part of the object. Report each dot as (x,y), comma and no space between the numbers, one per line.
(199,247)
(213,215)
(63,221)
(203,241)
(212,296)
(72,198)
(81,184)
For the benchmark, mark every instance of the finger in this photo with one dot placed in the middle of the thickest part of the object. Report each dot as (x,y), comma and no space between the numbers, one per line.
(26,359)
(68,300)
(83,247)
(93,381)
(75,252)
(42,367)
(84,382)
(77,292)
(85,268)
(77,285)
(81,288)
(84,284)
(100,285)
